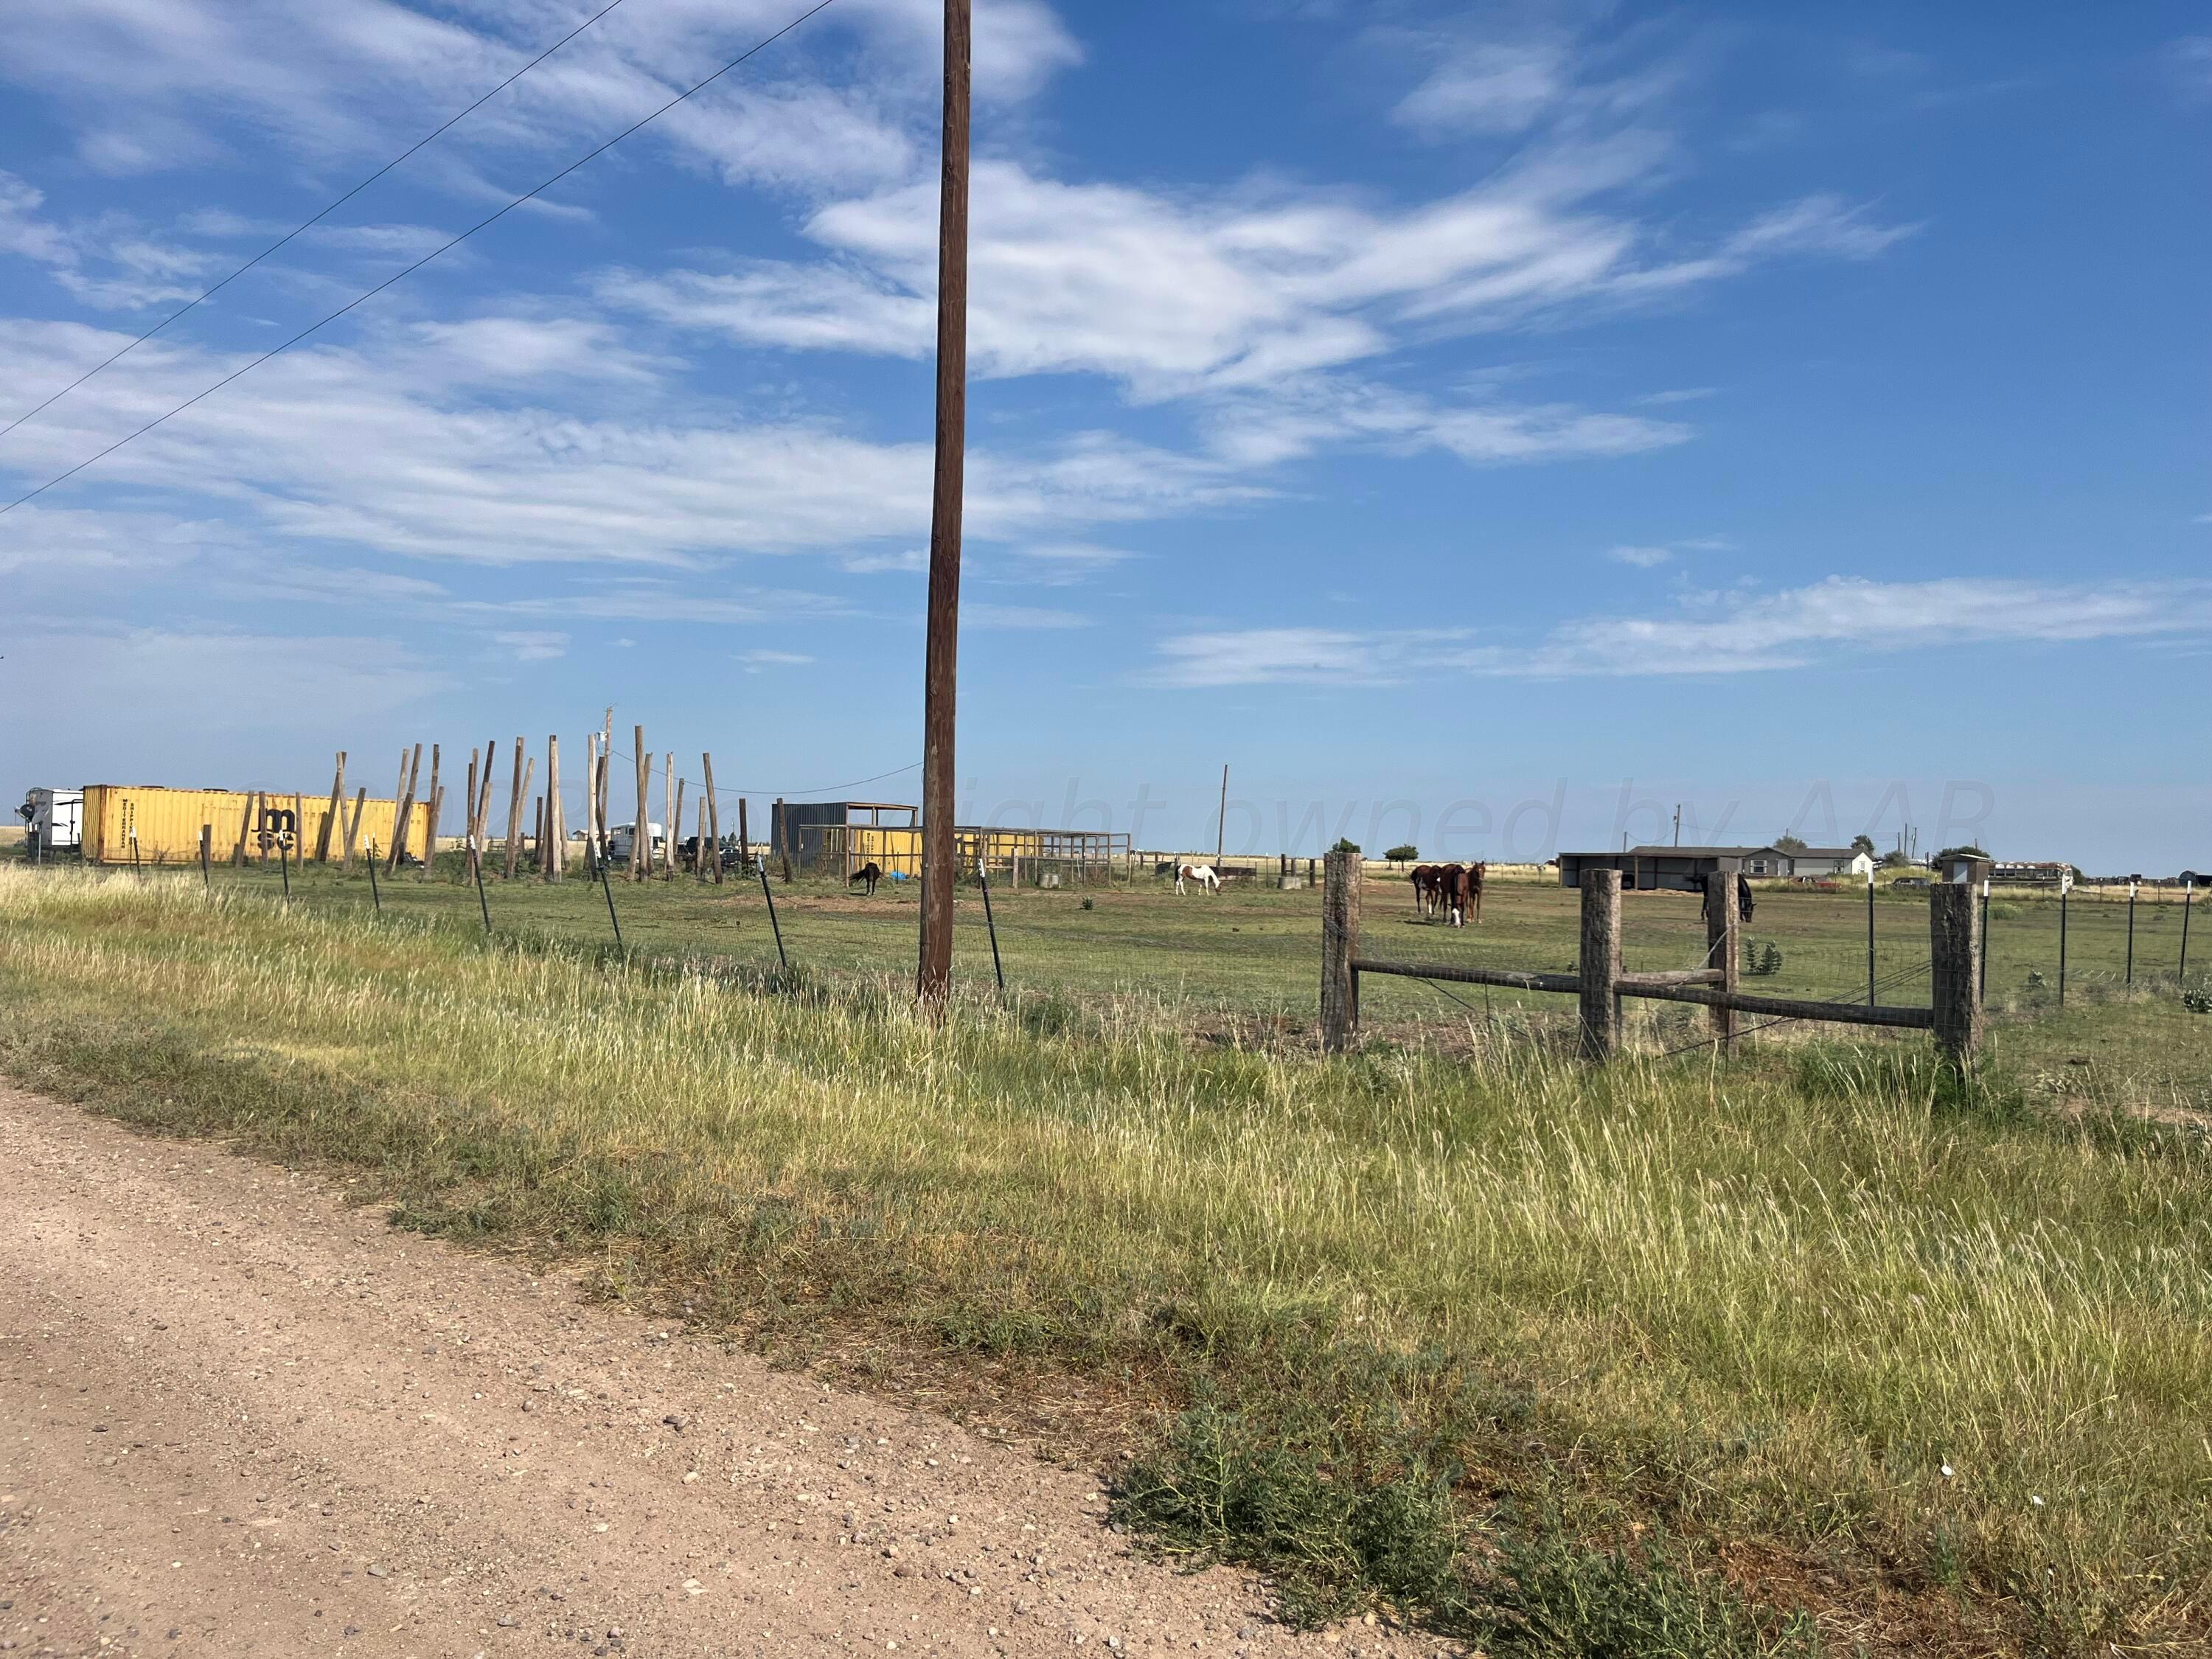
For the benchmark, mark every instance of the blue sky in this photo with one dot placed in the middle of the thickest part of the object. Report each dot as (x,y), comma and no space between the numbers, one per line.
(1455,418)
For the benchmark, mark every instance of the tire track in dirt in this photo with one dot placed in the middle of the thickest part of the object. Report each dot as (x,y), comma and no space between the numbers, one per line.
(238,1418)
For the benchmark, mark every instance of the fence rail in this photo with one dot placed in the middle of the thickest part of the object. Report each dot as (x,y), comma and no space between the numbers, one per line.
(1954,945)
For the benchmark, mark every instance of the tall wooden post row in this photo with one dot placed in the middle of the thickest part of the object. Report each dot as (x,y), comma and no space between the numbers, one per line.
(402,824)
(714,813)
(553,857)
(515,793)
(331,821)
(640,841)
(352,828)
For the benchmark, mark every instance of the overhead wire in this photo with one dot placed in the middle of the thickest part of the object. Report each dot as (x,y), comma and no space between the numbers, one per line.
(751,51)
(436,132)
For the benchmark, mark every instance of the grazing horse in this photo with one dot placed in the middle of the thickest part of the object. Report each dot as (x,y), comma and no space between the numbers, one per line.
(871,873)
(1203,875)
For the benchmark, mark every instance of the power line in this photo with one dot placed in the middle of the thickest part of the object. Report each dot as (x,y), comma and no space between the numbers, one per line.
(310,224)
(589,156)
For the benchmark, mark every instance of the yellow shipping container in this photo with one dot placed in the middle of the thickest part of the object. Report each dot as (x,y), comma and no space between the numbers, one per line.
(164,824)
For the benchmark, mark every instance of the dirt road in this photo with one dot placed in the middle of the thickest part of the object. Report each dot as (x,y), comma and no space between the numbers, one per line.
(238,1418)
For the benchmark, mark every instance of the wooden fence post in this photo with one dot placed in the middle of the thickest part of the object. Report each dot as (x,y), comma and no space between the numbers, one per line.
(352,828)
(640,840)
(331,823)
(745,835)
(553,852)
(676,827)
(1954,941)
(1723,943)
(403,814)
(672,802)
(1600,963)
(482,830)
(514,793)
(713,810)
(469,817)
(207,855)
(1340,945)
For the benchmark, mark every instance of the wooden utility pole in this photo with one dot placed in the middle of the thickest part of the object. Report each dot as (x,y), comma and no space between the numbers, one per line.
(1221,829)
(714,813)
(940,673)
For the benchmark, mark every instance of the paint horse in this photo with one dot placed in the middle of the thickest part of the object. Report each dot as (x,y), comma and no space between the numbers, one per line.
(1203,875)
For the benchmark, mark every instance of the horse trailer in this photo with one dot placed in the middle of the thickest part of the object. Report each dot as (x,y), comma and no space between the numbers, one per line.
(54,822)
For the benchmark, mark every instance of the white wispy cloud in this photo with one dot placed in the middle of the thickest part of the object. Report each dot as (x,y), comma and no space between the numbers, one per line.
(1181,296)
(413,443)
(161,83)
(1716,634)
(1643,558)
(532,645)
(191,675)
(1488,87)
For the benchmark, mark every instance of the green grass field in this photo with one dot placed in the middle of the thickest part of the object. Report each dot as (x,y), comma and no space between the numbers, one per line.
(1806,1348)
(1253,955)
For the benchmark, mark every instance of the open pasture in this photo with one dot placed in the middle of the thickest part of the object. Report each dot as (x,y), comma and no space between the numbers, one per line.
(1251,955)
(1813,1330)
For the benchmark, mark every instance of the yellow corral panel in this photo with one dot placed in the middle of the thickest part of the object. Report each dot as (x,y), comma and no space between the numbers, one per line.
(163,826)
(887,848)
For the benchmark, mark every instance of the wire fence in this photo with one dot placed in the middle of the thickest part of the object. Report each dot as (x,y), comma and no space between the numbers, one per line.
(1252,952)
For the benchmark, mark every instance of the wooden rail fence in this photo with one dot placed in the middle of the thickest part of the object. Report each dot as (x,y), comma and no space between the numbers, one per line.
(1955,946)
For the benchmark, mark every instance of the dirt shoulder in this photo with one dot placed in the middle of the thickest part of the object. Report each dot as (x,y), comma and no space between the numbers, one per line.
(240,1418)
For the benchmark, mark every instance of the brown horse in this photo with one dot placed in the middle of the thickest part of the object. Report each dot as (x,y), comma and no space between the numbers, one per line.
(1425,888)
(1462,889)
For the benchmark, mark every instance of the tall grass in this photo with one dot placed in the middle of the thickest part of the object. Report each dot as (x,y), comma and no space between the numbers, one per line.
(1821,1324)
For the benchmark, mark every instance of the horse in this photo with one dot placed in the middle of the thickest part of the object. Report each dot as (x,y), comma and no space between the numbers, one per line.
(871,873)
(1203,875)
(1447,880)
(1463,883)
(1425,888)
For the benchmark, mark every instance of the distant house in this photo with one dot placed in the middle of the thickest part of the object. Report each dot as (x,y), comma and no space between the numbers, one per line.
(1684,869)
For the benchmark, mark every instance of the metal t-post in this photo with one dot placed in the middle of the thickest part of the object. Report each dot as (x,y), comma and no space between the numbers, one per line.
(1869,938)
